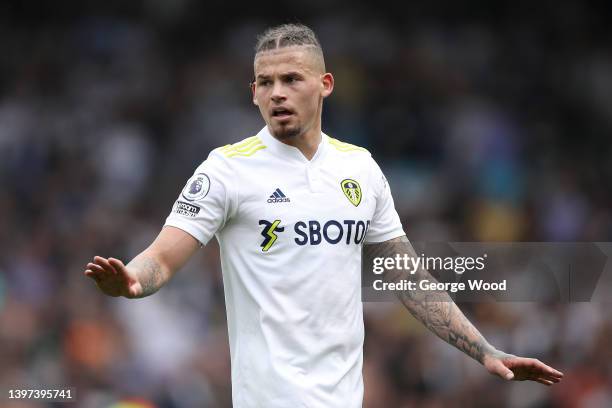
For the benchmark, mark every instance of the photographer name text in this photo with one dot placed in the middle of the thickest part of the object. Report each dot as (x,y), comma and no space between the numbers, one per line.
(425,284)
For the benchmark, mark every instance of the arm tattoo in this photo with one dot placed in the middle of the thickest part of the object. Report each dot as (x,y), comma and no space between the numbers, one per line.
(435,309)
(149,274)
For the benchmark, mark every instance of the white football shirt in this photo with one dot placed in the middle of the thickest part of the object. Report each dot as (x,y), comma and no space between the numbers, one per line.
(291,232)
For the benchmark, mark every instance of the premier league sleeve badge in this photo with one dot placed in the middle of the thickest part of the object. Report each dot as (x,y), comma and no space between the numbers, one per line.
(197,187)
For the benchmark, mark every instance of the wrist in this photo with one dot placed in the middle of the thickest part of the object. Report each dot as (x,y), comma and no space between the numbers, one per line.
(494,354)
(489,352)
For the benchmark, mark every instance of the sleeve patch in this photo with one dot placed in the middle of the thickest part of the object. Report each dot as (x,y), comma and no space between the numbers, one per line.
(186,209)
(197,187)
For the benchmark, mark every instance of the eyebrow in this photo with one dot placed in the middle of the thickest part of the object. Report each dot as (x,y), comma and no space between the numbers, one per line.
(286,74)
(292,73)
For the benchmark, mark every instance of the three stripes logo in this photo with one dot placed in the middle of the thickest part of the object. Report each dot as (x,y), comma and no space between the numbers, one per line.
(278,197)
(269,233)
(245,148)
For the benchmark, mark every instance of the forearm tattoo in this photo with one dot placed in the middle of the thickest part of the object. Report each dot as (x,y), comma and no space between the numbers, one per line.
(149,274)
(435,309)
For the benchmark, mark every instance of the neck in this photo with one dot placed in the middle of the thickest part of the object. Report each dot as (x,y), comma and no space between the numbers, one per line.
(307,143)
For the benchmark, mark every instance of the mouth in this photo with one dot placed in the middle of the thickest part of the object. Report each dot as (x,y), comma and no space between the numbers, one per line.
(281,113)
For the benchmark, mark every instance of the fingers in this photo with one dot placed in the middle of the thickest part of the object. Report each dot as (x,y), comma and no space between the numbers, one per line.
(103,262)
(117,265)
(95,268)
(546,371)
(102,268)
(550,371)
(547,380)
(94,271)
(110,276)
(91,274)
(521,368)
(544,381)
(534,370)
(553,374)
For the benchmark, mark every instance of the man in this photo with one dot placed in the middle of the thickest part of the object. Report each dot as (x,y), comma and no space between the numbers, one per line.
(291,208)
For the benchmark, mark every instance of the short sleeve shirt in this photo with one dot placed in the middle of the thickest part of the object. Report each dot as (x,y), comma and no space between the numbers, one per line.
(291,232)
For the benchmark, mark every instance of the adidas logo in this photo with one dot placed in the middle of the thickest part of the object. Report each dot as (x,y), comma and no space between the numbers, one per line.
(278,197)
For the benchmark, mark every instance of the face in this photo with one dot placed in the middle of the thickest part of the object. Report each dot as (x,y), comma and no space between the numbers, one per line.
(289,89)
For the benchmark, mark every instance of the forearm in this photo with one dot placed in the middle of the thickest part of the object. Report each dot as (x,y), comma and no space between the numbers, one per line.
(440,314)
(435,309)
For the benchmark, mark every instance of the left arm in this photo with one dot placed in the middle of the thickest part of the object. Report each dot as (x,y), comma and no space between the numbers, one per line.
(437,311)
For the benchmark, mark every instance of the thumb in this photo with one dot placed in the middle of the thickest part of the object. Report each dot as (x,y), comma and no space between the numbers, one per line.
(134,290)
(500,369)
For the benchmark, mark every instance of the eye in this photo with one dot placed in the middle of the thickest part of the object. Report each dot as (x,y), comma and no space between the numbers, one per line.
(264,82)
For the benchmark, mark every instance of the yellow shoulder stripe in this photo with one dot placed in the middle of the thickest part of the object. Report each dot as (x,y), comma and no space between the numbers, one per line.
(345,147)
(245,148)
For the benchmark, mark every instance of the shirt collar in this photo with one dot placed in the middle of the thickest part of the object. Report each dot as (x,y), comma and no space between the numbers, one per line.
(291,152)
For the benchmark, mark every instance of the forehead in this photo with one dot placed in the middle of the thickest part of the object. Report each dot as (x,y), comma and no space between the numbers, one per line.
(296,58)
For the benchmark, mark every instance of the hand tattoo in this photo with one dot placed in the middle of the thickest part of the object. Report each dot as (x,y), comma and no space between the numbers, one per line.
(149,275)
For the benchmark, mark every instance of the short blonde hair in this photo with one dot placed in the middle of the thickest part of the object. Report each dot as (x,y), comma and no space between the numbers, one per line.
(288,35)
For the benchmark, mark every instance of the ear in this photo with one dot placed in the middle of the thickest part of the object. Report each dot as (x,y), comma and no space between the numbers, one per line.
(253,85)
(327,81)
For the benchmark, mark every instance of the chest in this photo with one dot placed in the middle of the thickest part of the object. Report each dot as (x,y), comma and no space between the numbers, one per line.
(331,203)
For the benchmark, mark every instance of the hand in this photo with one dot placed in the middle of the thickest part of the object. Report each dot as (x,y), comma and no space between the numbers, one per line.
(510,367)
(113,277)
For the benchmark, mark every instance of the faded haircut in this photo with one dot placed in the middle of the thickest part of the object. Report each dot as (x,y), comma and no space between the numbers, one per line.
(288,35)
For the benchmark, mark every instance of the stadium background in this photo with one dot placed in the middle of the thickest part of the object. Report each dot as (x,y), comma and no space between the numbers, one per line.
(492,122)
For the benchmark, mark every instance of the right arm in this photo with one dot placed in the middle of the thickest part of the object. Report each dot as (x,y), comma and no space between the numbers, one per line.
(186,227)
(149,270)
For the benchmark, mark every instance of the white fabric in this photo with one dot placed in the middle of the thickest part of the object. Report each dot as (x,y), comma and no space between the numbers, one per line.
(294,311)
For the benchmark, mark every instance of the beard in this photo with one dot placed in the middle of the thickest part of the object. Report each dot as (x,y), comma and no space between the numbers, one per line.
(286,132)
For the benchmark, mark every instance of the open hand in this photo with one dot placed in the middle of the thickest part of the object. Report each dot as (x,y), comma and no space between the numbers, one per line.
(511,367)
(113,277)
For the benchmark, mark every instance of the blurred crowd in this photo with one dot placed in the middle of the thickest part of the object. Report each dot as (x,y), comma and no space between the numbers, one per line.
(492,123)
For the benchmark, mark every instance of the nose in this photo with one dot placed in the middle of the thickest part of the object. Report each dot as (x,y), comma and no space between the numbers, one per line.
(278,94)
